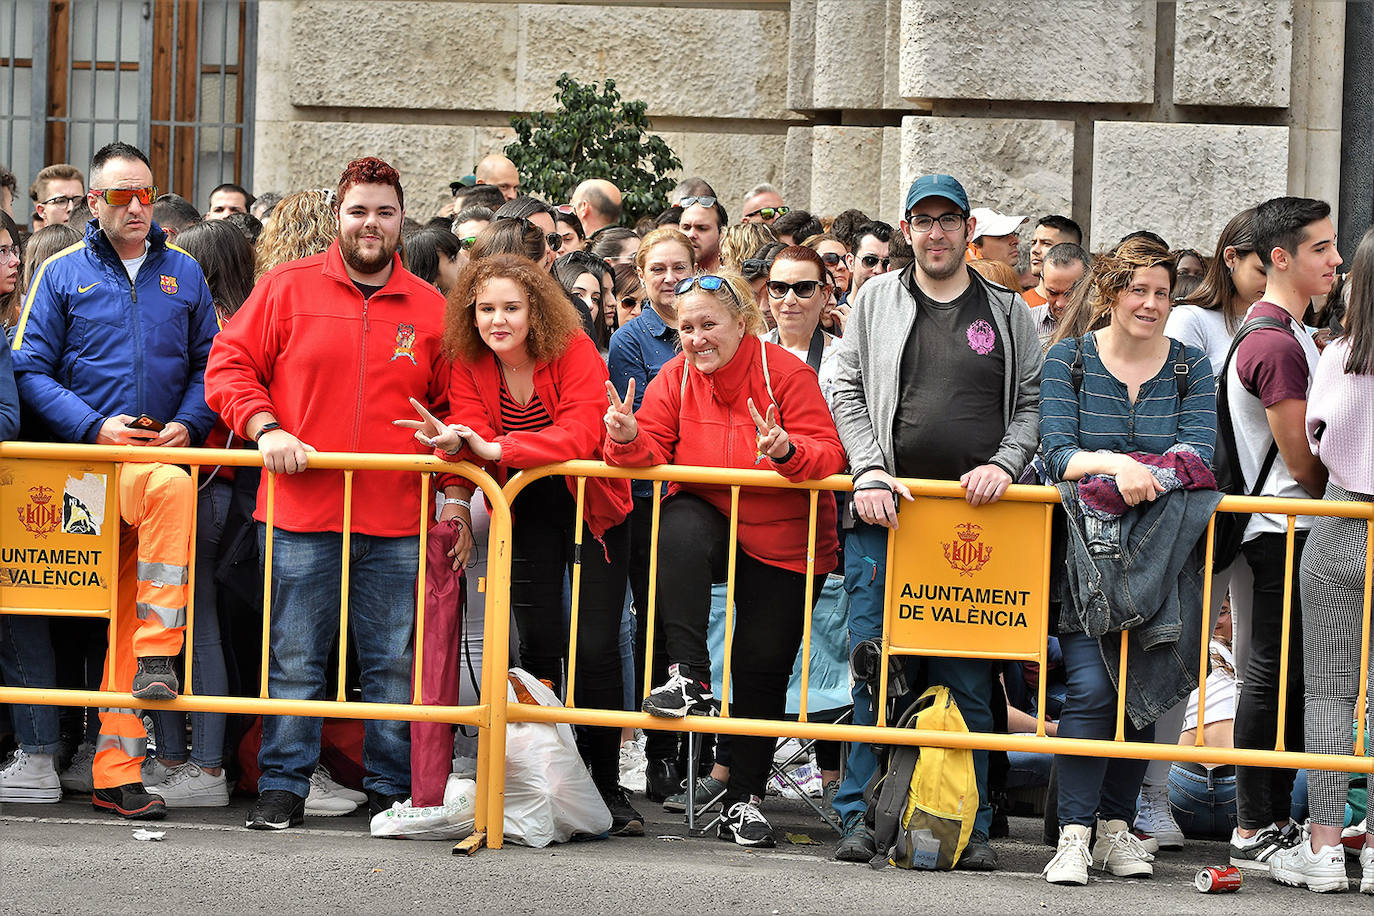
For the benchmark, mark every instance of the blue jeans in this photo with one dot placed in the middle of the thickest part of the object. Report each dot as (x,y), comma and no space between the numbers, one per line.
(306,571)
(1091,787)
(208,674)
(1204,805)
(969,680)
(27,660)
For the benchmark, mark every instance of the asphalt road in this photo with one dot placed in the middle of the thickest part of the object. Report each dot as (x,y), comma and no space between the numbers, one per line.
(69,859)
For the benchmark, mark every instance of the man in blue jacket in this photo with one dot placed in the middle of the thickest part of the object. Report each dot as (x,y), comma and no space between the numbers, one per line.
(110,348)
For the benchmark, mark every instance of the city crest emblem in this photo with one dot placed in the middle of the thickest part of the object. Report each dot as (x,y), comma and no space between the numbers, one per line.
(41,516)
(405,343)
(965,554)
(169,285)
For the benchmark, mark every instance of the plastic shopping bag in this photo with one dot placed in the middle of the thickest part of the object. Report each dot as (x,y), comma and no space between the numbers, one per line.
(550,796)
(453,820)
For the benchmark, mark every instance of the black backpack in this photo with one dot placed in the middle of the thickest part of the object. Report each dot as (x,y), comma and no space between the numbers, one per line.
(1230,526)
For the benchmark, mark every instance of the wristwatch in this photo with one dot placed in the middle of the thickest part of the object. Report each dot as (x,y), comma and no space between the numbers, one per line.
(266,428)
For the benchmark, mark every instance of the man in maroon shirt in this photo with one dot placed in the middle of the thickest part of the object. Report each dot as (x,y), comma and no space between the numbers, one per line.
(1267,393)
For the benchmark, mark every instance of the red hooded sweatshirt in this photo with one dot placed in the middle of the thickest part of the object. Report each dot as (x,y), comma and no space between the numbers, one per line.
(335,369)
(572,389)
(708,424)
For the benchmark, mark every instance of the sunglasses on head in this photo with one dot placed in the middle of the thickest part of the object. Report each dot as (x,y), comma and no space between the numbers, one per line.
(872,260)
(565,209)
(467,242)
(552,239)
(708,282)
(804,289)
(689,201)
(768,212)
(120,197)
(753,268)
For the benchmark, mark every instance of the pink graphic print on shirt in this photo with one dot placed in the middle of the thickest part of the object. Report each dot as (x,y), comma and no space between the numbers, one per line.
(981,337)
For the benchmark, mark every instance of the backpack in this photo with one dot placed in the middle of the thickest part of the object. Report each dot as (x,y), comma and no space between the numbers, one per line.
(1230,526)
(924,799)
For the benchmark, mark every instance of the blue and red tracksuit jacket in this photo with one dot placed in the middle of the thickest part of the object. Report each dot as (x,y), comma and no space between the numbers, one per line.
(89,344)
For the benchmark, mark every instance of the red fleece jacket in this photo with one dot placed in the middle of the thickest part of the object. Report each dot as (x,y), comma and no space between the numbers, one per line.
(709,425)
(572,389)
(335,370)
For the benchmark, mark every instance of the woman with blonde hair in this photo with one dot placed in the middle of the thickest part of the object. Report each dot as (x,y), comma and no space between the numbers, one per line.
(731,400)
(740,241)
(527,389)
(303,224)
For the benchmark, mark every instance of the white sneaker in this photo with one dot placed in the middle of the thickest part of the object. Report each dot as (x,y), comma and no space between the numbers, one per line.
(188,786)
(633,765)
(1367,864)
(153,771)
(1322,871)
(329,799)
(76,777)
(1071,859)
(1120,852)
(338,788)
(1155,816)
(30,778)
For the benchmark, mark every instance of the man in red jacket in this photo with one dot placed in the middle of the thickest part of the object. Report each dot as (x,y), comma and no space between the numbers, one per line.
(323,355)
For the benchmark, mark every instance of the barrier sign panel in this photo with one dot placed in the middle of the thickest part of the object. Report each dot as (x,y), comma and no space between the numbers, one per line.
(969,580)
(59,528)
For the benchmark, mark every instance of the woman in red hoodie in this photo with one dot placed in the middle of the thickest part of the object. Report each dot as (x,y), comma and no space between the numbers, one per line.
(527,389)
(730,400)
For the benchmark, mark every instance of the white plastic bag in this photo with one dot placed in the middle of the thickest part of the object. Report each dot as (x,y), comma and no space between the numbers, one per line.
(453,820)
(550,795)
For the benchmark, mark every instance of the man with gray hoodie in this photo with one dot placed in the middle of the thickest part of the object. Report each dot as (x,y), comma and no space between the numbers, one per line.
(939,377)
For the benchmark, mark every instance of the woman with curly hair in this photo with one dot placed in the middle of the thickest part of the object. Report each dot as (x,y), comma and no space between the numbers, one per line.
(303,224)
(527,389)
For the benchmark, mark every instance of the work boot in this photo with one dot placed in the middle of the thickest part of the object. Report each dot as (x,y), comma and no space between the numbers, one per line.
(856,843)
(130,801)
(156,679)
(978,855)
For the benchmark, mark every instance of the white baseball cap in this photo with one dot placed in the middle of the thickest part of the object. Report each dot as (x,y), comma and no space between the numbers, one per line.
(993,224)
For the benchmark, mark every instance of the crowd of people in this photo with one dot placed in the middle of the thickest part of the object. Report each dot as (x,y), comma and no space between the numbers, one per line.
(512,333)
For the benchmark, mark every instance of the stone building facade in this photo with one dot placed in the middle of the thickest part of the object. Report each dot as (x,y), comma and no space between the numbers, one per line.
(1120,113)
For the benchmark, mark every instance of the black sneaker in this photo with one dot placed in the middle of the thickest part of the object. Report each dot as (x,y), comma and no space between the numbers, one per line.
(744,824)
(1253,854)
(625,820)
(662,777)
(130,801)
(156,679)
(978,855)
(680,696)
(856,843)
(276,809)
(377,802)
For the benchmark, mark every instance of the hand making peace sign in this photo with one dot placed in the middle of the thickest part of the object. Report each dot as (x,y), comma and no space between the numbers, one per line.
(621,425)
(773,440)
(429,431)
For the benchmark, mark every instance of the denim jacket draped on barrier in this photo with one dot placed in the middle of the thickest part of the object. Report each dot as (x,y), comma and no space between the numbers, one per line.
(1141,574)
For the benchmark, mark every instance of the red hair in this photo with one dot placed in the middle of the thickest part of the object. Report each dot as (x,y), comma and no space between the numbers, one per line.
(369,170)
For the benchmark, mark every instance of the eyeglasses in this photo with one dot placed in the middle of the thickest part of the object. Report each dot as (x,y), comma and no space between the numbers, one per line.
(121,197)
(949,222)
(64,200)
(768,212)
(872,260)
(804,289)
(7,252)
(466,243)
(832,259)
(689,201)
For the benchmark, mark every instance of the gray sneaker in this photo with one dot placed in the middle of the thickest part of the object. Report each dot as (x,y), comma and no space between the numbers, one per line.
(708,794)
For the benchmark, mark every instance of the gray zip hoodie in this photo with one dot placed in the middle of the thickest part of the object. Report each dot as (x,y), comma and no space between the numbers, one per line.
(867,384)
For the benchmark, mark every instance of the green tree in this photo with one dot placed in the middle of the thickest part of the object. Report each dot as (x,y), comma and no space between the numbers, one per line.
(594,134)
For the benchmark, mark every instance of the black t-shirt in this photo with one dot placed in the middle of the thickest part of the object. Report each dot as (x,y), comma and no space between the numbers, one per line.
(949,408)
(366,289)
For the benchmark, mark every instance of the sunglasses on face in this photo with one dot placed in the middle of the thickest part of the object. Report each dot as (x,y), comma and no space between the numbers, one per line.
(768,212)
(121,197)
(872,260)
(804,289)
(466,243)
(832,259)
(689,201)
(67,201)
(630,302)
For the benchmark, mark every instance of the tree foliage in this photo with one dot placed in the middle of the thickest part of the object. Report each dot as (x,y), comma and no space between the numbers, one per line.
(594,134)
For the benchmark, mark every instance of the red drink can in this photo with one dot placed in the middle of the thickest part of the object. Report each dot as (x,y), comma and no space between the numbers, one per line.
(1216,880)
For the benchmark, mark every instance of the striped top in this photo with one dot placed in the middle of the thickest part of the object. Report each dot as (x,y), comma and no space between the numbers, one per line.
(1102,418)
(528,418)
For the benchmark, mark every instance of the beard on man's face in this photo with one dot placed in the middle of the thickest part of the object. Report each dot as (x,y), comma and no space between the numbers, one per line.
(355,258)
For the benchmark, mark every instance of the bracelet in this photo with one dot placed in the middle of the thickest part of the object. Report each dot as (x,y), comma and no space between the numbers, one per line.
(266,428)
(445,501)
(788,455)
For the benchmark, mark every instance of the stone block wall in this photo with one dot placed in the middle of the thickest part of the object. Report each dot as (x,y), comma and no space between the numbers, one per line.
(1120,113)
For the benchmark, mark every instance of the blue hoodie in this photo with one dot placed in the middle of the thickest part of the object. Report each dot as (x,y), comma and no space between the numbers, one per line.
(90,345)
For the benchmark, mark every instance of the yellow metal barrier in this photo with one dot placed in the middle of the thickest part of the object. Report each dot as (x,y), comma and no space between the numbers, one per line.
(491,737)
(492,712)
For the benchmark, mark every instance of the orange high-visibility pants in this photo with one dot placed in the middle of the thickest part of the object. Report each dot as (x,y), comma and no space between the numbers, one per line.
(156,503)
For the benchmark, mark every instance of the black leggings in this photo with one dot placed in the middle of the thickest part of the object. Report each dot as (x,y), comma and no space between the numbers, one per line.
(768,624)
(658,744)
(542,552)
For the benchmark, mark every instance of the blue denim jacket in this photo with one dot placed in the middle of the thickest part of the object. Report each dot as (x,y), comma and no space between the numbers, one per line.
(638,350)
(1140,574)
